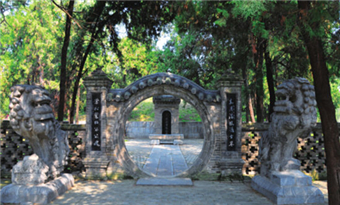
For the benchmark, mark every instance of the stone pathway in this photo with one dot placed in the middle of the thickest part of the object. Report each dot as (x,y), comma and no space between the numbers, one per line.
(140,149)
(165,160)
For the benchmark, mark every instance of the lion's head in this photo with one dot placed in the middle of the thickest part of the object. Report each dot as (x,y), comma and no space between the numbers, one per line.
(31,114)
(296,97)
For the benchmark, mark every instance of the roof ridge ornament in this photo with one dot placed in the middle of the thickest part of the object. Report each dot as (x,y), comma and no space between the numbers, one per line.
(98,71)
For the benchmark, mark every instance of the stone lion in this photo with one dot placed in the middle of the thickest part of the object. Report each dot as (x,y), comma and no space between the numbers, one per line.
(294,116)
(31,117)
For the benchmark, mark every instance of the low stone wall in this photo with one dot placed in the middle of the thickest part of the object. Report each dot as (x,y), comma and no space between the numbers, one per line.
(191,130)
(310,150)
(141,130)
(14,148)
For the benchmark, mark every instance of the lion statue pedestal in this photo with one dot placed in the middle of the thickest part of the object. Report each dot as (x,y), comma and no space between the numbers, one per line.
(38,178)
(280,177)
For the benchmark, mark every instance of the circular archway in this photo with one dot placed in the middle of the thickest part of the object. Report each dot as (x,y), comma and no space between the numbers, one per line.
(164,89)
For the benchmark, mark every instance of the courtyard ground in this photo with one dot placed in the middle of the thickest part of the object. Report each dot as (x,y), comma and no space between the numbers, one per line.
(202,192)
(140,149)
(124,192)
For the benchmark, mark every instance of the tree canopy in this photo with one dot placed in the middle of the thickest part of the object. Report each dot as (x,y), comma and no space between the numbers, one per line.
(57,43)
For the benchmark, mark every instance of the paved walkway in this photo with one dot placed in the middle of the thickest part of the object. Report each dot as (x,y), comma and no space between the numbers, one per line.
(140,150)
(165,160)
(125,192)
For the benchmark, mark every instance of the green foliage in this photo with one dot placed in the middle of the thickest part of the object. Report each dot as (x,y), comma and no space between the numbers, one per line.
(187,113)
(206,39)
(144,111)
(28,45)
(137,61)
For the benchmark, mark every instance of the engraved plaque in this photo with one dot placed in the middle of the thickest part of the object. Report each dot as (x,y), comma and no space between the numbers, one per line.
(231,121)
(96,122)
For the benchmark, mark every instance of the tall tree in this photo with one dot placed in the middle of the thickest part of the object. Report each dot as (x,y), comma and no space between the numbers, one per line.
(143,22)
(62,86)
(28,43)
(310,21)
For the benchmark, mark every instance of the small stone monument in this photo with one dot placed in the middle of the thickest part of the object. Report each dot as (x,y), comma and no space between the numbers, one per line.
(37,178)
(280,177)
(166,120)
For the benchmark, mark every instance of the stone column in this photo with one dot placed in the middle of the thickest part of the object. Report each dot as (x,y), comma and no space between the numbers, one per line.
(230,85)
(96,161)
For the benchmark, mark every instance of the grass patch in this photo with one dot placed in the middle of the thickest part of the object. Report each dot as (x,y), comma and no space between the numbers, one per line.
(187,113)
(316,176)
(144,111)
(4,182)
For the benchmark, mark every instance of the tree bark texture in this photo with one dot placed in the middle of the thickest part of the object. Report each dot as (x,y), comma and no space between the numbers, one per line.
(325,105)
(258,60)
(249,105)
(78,103)
(62,86)
(270,81)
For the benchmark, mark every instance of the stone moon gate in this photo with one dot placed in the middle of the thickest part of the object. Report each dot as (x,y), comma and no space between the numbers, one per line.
(107,111)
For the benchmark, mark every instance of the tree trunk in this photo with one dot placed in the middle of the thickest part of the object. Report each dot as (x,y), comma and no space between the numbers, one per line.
(99,7)
(325,105)
(63,77)
(251,109)
(245,81)
(270,81)
(249,105)
(258,59)
(78,102)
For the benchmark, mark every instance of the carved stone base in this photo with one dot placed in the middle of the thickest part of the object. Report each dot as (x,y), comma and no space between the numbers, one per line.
(290,187)
(96,168)
(231,163)
(37,194)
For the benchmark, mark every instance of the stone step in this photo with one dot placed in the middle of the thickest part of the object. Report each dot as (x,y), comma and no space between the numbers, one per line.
(166,136)
(157,181)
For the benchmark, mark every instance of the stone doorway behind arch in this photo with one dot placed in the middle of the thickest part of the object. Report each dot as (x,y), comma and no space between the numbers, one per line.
(166,122)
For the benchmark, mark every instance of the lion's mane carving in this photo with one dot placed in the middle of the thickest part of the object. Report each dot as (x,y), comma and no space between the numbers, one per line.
(31,117)
(293,117)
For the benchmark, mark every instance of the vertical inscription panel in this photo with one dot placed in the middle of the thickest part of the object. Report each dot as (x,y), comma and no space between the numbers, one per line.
(96,122)
(166,122)
(231,121)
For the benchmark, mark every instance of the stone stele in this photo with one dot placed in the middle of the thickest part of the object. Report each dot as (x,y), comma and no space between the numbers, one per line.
(38,178)
(280,177)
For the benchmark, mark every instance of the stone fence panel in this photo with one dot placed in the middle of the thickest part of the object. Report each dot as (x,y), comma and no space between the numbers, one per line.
(15,147)
(310,150)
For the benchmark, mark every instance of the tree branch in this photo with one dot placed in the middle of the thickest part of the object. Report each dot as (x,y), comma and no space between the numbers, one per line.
(67,13)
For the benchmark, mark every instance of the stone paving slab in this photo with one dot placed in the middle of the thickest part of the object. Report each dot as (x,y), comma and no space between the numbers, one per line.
(140,149)
(165,160)
(125,192)
(165,166)
(155,181)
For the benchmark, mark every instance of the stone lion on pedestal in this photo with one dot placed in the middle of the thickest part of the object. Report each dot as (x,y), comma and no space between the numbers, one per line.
(294,116)
(31,117)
